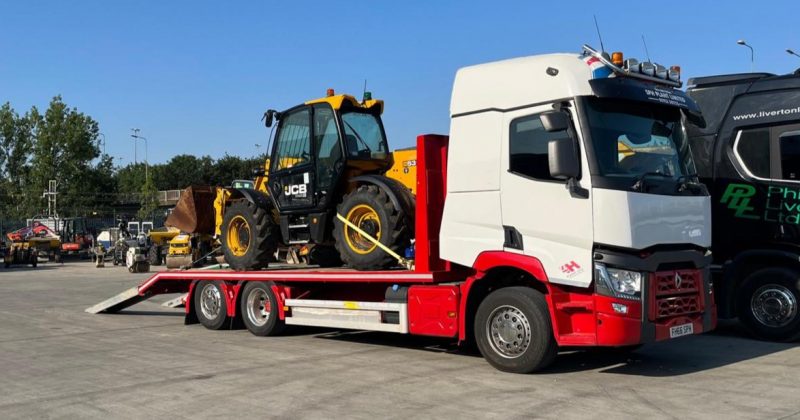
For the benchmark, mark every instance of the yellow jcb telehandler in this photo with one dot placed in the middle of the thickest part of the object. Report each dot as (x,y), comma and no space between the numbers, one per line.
(326,188)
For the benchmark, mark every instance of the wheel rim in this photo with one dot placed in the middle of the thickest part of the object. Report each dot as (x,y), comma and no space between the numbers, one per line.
(238,238)
(774,305)
(258,307)
(508,331)
(210,301)
(366,219)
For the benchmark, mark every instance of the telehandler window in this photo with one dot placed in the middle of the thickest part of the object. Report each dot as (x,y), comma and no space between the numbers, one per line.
(294,141)
(527,143)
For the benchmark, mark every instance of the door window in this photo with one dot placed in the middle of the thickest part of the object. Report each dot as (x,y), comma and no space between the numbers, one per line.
(326,143)
(528,147)
(790,155)
(293,146)
(753,151)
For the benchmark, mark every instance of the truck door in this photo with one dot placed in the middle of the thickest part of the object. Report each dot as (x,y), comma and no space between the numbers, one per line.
(291,166)
(541,217)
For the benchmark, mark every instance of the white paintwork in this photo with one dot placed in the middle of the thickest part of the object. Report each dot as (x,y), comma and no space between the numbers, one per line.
(636,220)
(519,81)
(475,209)
(556,228)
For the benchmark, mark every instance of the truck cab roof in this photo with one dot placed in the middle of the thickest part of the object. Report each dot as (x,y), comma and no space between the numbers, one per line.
(506,84)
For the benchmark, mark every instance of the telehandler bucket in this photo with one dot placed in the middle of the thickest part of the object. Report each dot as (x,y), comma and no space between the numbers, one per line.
(194,212)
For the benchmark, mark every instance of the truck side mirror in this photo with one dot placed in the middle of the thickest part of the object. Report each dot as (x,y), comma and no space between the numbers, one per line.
(563,158)
(554,121)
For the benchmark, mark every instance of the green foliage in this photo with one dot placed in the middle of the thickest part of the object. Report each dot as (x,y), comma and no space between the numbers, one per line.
(63,144)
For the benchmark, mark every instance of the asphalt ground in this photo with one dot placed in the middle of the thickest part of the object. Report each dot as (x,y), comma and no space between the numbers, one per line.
(56,361)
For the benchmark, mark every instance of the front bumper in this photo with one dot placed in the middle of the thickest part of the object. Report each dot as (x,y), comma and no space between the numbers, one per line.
(667,301)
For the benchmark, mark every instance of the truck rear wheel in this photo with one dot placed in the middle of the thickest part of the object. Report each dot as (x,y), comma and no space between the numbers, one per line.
(370,209)
(259,308)
(248,237)
(210,305)
(513,330)
(768,304)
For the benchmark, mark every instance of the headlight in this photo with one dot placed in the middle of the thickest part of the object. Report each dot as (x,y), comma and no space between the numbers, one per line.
(617,283)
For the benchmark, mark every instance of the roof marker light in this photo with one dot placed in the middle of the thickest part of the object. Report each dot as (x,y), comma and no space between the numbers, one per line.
(675,73)
(661,71)
(632,65)
(648,68)
(616,58)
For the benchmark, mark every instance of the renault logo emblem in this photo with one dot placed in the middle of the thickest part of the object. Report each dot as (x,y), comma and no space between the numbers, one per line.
(678,281)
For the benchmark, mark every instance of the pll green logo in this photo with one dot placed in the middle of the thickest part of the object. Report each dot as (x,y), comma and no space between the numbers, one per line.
(737,197)
(782,204)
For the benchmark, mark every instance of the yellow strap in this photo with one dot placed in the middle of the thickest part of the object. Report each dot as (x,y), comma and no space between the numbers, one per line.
(404,262)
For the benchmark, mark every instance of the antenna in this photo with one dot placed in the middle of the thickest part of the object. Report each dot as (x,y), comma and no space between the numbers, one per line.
(602,48)
(364,93)
(647,53)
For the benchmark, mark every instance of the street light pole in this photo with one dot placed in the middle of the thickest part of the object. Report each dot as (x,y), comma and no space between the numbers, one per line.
(752,54)
(136,136)
(791,52)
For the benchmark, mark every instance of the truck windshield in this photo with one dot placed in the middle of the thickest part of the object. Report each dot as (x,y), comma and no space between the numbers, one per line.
(364,137)
(633,139)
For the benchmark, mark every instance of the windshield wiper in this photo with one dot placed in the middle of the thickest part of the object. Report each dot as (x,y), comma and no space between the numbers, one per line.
(691,182)
(358,137)
(639,184)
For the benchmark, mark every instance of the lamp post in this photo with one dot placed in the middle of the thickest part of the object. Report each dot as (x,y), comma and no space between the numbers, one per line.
(791,52)
(752,54)
(136,136)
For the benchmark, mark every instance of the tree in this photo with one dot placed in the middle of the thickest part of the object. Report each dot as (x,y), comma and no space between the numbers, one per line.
(15,147)
(66,147)
(149,200)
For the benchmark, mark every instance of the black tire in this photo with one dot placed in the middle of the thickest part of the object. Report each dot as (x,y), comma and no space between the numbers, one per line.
(259,309)
(526,317)
(768,304)
(254,251)
(392,230)
(154,255)
(211,309)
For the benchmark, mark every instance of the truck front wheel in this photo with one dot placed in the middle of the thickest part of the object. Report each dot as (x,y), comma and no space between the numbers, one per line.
(259,308)
(513,330)
(768,304)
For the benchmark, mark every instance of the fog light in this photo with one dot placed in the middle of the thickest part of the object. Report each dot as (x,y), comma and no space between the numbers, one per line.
(620,308)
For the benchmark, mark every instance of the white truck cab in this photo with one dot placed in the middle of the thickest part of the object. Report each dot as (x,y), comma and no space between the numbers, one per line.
(583,164)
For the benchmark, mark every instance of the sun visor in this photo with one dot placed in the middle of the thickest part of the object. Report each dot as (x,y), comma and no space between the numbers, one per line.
(634,90)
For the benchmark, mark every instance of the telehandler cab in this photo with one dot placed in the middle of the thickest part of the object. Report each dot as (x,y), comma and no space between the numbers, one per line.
(330,156)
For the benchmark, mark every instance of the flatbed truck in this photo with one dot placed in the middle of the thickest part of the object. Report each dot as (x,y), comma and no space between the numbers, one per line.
(556,214)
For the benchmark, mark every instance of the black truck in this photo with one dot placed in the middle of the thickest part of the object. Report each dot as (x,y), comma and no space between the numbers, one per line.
(748,154)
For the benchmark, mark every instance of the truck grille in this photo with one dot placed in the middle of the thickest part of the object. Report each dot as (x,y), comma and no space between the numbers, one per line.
(676,293)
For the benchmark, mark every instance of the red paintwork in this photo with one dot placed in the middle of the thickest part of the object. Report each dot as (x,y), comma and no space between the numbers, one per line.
(431,190)
(433,310)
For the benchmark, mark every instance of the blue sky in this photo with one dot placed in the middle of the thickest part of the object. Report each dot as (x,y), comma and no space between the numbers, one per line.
(195,76)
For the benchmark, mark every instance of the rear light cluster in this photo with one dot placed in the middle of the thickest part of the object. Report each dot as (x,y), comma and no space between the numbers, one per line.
(675,293)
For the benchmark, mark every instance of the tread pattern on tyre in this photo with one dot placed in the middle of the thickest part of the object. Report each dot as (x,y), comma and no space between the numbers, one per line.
(262,236)
(543,348)
(395,231)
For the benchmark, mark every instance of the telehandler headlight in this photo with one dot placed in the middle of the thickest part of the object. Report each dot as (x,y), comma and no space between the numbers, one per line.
(617,283)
